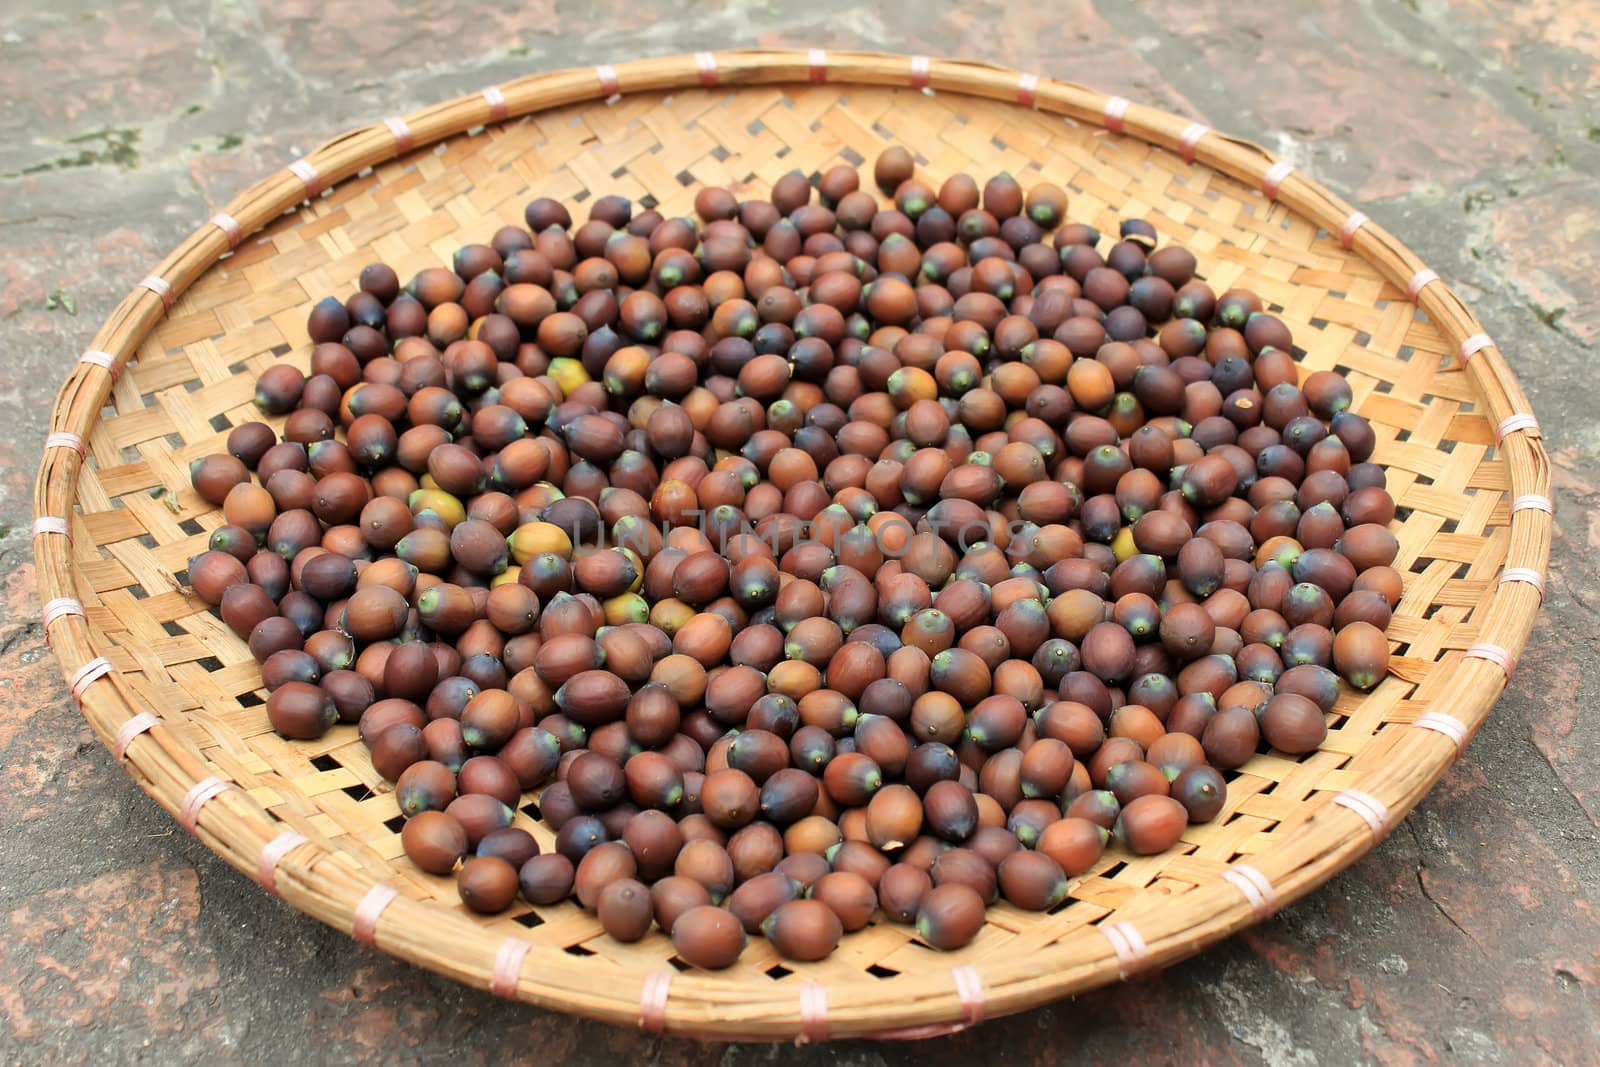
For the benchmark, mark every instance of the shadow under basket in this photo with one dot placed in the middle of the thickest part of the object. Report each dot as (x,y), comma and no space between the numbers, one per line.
(176,695)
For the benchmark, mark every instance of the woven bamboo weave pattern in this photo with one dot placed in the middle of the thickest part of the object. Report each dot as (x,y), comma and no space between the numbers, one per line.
(1454,430)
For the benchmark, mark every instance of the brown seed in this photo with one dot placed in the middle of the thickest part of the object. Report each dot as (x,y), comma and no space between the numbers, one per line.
(434,842)
(894,816)
(425,786)
(1075,844)
(489,775)
(1032,880)
(624,910)
(487,884)
(653,780)
(730,798)
(244,606)
(805,930)
(546,879)
(1174,753)
(951,810)
(479,814)
(1098,806)
(851,779)
(900,891)
(215,476)
(1046,767)
(856,855)
(513,844)
(708,937)
(490,719)
(1361,654)
(1134,778)
(213,573)
(949,916)
(593,697)
(759,897)
(894,166)
(1138,723)
(603,865)
(597,782)
(375,613)
(397,748)
(730,695)
(300,711)
(1151,824)
(704,638)
(1230,737)
(287,665)
(849,896)
(1187,631)
(967,867)
(1293,724)
(1202,792)
(708,863)
(1108,651)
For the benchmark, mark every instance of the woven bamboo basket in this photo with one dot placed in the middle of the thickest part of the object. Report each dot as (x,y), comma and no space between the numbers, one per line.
(176,695)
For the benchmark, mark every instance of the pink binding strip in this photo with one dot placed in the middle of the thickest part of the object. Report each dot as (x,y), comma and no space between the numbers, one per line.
(306,171)
(1190,138)
(1027,87)
(508,967)
(919,72)
(229,226)
(1524,574)
(608,80)
(309,178)
(364,926)
(159,286)
(813,1013)
(1420,281)
(87,675)
(1500,657)
(497,103)
(196,798)
(272,855)
(1274,178)
(1472,346)
(1513,424)
(51,524)
(131,729)
(1347,235)
(653,1002)
(1116,110)
(1255,886)
(1129,946)
(969,987)
(817,64)
(403,140)
(61,605)
(1533,502)
(707,63)
(1373,812)
(64,439)
(1454,729)
(104,360)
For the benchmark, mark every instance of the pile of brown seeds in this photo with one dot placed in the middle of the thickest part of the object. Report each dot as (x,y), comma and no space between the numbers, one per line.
(823,561)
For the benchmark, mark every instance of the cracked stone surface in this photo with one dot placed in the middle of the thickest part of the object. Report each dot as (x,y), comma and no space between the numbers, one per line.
(1470,128)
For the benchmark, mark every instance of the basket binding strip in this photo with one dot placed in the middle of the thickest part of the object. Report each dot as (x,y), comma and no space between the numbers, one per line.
(1426,375)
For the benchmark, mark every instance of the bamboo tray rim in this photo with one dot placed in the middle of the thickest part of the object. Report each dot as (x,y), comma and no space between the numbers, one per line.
(314,878)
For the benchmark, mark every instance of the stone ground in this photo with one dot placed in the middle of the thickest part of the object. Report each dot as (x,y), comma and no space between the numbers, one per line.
(1471,129)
